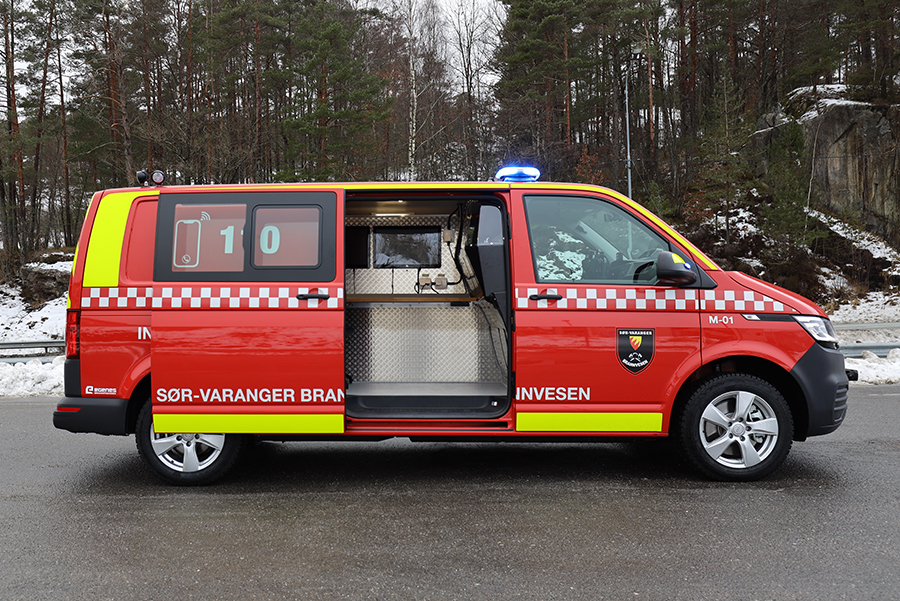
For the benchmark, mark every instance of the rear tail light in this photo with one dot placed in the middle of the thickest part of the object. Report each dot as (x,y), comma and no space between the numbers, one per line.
(73,333)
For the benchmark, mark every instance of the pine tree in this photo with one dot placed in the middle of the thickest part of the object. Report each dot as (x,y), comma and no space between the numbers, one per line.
(342,102)
(537,66)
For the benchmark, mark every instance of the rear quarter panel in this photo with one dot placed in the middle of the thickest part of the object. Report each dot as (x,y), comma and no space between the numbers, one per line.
(113,293)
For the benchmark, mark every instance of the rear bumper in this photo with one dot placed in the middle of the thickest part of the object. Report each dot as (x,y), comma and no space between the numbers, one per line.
(824,380)
(98,416)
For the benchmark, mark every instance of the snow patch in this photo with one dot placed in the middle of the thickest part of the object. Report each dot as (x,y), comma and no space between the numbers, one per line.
(874,307)
(741,221)
(32,378)
(755,263)
(19,322)
(61,266)
(834,90)
(824,104)
(877,370)
(862,239)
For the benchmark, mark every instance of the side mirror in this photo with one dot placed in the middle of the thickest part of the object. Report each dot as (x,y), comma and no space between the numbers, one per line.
(673,270)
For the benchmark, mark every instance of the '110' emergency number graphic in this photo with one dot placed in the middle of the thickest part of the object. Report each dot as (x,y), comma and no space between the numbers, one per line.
(211,237)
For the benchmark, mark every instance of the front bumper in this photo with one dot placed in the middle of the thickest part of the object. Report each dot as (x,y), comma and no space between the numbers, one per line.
(96,415)
(825,383)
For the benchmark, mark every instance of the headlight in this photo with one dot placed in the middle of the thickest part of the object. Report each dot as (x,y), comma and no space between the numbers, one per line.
(820,329)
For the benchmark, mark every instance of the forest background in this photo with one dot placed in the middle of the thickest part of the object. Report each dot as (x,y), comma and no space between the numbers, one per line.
(236,91)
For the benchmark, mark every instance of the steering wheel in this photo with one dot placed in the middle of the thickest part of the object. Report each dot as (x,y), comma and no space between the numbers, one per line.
(594,266)
(618,269)
(651,252)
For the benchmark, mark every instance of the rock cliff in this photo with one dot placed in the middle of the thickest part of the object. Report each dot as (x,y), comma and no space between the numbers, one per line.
(855,157)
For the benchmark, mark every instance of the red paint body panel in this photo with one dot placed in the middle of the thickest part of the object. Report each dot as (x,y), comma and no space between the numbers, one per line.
(803,306)
(782,343)
(277,408)
(240,349)
(580,352)
(243,347)
(112,356)
(727,333)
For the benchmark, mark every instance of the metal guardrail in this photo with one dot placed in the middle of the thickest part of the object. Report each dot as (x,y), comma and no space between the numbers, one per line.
(855,350)
(867,326)
(49,346)
(14,360)
(44,344)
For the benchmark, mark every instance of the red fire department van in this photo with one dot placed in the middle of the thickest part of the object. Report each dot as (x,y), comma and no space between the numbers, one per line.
(509,310)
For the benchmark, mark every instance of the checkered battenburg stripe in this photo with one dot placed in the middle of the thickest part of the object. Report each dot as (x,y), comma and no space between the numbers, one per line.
(634,299)
(282,297)
(209,297)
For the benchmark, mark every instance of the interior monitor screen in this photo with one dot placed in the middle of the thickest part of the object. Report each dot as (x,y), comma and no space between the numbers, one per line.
(407,247)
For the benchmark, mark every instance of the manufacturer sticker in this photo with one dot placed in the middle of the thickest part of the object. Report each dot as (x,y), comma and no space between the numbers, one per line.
(635,349)
(98,390)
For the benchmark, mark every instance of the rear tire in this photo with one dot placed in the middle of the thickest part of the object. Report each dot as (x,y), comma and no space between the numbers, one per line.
(185,459)
(736,427)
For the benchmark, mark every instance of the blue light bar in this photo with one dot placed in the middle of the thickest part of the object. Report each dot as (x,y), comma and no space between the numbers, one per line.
(518,174)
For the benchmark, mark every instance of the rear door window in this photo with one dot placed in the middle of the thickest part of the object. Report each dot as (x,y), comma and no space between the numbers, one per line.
(246,236)
(287,236)
(208,238)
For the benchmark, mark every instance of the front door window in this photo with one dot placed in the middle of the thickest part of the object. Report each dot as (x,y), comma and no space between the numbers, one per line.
(590,241)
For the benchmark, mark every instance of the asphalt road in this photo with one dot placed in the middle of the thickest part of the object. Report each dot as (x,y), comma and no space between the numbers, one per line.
(82,518)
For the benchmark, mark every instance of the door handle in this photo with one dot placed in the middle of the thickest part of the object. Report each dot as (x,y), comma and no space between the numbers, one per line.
(546,297)
(311,296)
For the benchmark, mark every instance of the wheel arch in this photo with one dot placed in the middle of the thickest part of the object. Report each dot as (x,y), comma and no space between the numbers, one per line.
(139,396)
(766,370)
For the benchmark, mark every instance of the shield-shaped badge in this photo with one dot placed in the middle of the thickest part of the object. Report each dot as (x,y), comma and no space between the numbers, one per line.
(635,349)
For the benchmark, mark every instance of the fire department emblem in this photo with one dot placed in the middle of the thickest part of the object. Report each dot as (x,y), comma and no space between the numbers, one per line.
(635,349)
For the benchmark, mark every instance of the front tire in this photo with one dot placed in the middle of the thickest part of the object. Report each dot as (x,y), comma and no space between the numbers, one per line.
(186,459)
(736,427)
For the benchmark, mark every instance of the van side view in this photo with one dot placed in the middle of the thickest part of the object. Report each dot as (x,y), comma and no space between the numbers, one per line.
(512,310)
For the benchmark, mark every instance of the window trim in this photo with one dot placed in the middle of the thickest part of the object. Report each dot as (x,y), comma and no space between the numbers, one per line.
(325,201)
(672,247)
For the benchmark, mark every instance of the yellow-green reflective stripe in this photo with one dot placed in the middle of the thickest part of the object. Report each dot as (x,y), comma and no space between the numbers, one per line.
(101,267)
(331,423)
(589,422)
